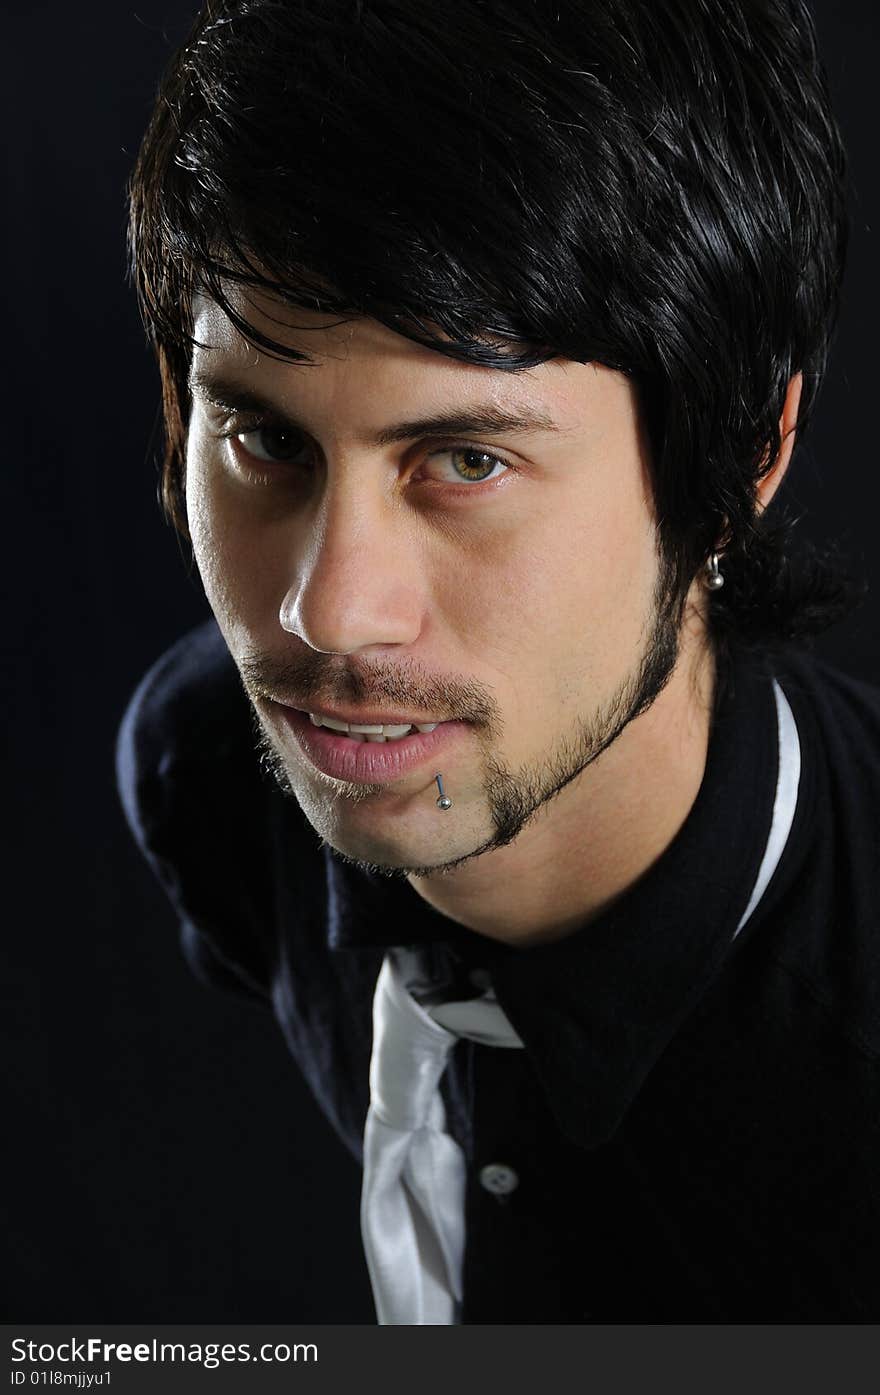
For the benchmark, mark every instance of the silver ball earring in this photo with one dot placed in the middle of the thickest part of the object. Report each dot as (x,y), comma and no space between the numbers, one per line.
(713,579)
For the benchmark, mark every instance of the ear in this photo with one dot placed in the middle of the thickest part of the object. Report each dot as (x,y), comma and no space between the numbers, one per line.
(768,486)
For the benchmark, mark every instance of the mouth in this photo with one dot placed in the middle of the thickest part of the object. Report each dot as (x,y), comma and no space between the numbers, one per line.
(375,730)
(380,756)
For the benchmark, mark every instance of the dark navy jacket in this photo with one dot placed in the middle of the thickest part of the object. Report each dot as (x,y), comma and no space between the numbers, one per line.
(695,1120)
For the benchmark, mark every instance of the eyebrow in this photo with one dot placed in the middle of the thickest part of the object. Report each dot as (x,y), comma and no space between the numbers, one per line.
(477,419)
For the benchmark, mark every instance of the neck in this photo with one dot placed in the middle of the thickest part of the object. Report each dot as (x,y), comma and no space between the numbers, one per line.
(591,842)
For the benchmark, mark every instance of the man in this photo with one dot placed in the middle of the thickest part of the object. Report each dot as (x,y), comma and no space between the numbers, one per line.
(486,332)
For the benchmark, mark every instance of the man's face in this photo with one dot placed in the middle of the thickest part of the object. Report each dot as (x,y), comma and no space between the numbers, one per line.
(506,577)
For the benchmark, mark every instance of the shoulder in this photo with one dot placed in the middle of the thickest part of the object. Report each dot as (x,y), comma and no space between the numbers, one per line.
(199,806)
(831,941)
(185,737)
(845,706)
(187,705)
(838,720)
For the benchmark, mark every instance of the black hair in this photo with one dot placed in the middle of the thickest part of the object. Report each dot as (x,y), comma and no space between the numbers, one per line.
(655,185)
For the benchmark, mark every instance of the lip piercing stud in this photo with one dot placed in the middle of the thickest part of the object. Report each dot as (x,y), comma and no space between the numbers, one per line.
(444,802)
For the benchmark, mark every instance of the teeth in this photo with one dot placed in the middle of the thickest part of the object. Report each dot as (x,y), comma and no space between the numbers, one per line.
(332,723)
(367,732)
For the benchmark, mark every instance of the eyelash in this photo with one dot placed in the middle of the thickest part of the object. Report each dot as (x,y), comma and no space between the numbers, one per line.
(241,426)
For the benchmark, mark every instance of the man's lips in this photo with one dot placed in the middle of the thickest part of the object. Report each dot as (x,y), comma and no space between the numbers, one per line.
(368,762)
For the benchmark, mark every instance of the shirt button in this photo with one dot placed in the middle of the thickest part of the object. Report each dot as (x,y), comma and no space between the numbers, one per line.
(499,1179)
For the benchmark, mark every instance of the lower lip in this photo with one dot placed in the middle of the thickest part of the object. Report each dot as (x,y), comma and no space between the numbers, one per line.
(368,762)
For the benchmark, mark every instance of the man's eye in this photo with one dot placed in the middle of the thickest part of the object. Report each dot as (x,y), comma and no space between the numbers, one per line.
(276,443)
(469,465)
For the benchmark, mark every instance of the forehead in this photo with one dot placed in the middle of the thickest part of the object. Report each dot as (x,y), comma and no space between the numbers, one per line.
(365,363)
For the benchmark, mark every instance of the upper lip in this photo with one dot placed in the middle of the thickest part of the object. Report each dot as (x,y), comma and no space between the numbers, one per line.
(370,719)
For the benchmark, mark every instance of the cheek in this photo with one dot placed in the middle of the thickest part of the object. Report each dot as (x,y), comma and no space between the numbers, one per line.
(231,553)
(560,605)
(588,560)
(619,555)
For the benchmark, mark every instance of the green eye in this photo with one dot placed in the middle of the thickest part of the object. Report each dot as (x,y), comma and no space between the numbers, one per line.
(470,465)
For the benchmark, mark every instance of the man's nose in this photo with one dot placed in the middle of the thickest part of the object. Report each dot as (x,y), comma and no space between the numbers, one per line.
(355,582)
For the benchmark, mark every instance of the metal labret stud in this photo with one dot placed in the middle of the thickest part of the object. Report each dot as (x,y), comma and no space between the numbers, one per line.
(444,802)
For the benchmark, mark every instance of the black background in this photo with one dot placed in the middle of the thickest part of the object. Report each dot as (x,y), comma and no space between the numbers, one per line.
(163,1160)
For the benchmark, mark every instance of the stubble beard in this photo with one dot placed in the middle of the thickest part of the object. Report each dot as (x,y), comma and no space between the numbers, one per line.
(514,797)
